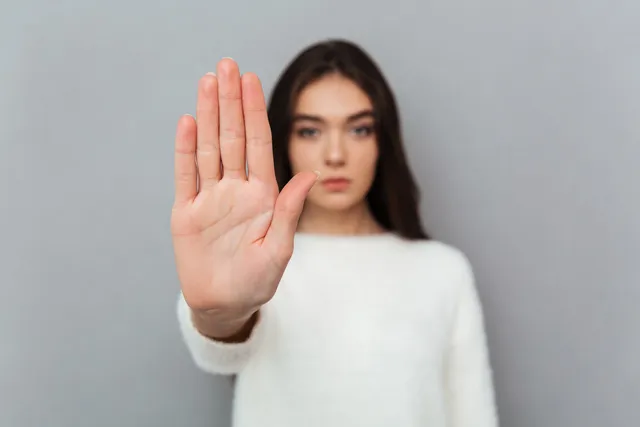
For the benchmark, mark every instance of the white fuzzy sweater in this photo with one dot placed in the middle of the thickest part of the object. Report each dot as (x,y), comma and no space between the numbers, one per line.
(371,331)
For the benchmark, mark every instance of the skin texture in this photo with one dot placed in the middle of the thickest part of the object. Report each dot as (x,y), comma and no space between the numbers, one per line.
(334,133)
(233,231)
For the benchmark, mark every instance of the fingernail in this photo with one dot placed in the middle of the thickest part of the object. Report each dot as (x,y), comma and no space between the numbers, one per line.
(317,175)
(211,73)
(227,57)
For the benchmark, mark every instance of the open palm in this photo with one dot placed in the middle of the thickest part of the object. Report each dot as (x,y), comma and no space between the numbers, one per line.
(232,230)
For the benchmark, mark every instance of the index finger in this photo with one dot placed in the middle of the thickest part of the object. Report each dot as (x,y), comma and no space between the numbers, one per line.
(258,132)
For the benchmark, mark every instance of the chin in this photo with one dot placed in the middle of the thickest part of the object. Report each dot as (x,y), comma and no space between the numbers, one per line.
(337,202)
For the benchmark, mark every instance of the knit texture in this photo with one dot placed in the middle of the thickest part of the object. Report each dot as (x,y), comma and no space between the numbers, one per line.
(363,331)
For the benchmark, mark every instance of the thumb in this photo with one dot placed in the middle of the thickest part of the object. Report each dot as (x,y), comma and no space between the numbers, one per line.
(288,207)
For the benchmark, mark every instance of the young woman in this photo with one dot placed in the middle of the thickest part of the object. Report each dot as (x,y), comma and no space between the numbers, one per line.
(367,322)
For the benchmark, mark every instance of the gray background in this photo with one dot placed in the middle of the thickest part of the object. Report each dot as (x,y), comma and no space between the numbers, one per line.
(522,122)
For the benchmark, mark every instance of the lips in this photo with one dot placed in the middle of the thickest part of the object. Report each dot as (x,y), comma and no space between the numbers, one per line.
(336,184)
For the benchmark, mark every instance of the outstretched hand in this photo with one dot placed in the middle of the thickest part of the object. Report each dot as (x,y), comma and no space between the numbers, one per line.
(232,229)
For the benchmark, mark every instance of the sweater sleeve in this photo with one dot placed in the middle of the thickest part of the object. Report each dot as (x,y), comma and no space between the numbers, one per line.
(212,356)
(469,377)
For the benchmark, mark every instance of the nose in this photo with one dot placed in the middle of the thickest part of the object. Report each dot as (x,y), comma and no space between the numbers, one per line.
(335,152)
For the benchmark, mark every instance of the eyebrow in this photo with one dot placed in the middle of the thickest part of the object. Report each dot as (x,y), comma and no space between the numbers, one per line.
(351,118)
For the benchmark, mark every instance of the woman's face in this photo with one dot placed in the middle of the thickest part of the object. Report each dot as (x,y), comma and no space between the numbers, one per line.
(333,133)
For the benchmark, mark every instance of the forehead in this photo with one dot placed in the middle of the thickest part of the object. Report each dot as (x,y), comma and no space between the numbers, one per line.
(333,97)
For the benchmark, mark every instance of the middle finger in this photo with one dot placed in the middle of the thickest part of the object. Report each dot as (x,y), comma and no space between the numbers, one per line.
(232,131)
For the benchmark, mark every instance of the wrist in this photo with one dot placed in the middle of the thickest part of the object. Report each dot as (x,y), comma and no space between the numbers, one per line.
(225,326)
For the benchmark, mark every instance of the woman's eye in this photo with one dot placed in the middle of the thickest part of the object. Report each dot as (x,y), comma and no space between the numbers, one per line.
(363,130)
(307,132)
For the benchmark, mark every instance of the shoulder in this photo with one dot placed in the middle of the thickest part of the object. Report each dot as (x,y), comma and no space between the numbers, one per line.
(441,265)
(438,275)
(433,253)
(450,271)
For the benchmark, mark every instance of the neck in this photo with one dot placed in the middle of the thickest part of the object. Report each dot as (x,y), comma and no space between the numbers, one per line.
(354,221)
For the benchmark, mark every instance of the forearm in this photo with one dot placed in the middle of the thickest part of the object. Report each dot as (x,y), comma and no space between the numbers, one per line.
(221,342)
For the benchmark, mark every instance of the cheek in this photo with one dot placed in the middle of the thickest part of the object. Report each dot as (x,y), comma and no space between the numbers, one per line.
(299,157)
(367,159)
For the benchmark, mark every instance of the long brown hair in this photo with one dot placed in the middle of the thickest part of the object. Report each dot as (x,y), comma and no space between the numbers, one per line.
(394,196)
